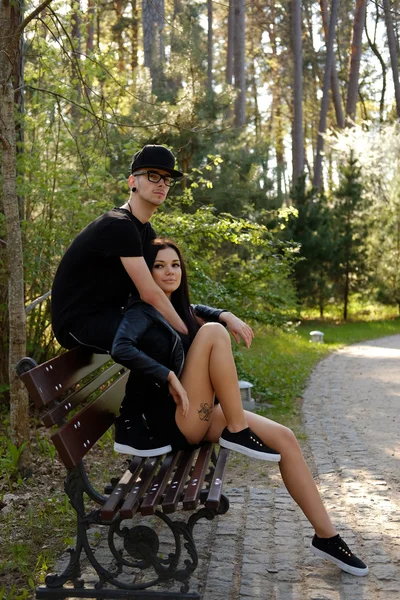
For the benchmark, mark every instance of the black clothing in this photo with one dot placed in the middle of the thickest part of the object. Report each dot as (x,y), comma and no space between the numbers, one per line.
(96,332)
(146,342)
(147,345)
(91,282)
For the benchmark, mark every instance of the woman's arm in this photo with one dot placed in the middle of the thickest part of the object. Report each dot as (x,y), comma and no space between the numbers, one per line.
(237,327)
(125,351)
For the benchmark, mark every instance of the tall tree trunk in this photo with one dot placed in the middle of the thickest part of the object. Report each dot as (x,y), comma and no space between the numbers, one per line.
(325,94)
(10,46)
(276,115)
(210,47)
(19,402)
(346,292)
(297,135)
(134,38)
(90,27)
(175,81)
(77,44)
(336,96)
(153,43)
(119,6)
(355,59)
(394,59)
(230,49)
(372,44)
(239,63)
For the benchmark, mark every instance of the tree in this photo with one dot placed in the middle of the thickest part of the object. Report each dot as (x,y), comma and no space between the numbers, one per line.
(153,43)
(230,43)
(350,265)
(297,136)
(12,27)
(374,47)
(355,59)
(311,228)
(336,96)
(329,62)
(393,49)
(210,46)
(239,63)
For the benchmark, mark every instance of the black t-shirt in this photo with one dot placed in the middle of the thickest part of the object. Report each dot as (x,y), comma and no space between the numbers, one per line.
(91,278)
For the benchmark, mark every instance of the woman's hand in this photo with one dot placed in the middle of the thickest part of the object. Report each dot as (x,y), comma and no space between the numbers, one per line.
(178,393)
(237,327)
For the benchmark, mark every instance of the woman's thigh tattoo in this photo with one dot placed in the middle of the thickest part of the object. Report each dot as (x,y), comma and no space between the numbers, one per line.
(205,411)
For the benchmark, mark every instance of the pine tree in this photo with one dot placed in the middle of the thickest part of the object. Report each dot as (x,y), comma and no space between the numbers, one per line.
(350,266)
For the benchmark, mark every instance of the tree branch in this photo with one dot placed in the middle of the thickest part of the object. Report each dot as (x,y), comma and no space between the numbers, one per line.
(31,16)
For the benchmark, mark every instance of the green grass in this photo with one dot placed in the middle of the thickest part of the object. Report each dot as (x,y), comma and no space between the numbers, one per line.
(279,363)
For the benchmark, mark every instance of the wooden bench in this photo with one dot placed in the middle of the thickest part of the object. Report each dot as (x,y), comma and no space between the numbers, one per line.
(81,394)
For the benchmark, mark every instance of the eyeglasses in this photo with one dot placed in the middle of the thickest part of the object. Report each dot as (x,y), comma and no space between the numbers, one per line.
(156,178)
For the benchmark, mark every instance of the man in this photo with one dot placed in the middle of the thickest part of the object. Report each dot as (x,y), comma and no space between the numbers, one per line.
(105,265)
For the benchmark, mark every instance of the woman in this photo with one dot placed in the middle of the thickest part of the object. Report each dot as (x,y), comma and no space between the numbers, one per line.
(178,378)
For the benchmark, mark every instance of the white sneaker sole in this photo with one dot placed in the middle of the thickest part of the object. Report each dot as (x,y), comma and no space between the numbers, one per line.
(248,451)
(123,449)
(352,570)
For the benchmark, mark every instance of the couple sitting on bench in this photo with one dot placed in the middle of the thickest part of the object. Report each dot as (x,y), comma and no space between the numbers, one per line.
(176,371)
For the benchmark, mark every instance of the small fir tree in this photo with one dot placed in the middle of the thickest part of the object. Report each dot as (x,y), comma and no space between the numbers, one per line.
(350,269)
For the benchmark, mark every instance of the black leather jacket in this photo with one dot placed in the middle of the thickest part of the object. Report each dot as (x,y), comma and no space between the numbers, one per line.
(146,343)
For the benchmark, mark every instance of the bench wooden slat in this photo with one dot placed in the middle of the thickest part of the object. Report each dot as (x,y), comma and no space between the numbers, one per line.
(173,494)
(74,439)
(120,491)
(55,415)
(192,494)
(215,491)
(150,502)
(49,380)
(131,503)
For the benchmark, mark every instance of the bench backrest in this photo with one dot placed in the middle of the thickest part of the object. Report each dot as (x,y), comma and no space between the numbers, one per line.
(81,383)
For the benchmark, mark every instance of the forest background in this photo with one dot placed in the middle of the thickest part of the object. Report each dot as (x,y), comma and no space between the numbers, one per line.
(283,117)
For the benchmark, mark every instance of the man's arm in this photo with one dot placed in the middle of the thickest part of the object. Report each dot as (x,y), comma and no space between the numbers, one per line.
(149,291)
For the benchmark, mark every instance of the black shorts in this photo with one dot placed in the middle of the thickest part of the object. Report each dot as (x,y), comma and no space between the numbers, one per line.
(160,418)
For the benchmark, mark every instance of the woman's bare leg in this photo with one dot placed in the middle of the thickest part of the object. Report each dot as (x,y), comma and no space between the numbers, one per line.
(210,369)
(294,470)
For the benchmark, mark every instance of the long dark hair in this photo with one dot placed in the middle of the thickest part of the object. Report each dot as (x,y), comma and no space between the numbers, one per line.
(180,297)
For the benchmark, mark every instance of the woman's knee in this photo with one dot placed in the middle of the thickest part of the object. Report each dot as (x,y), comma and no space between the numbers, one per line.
(214,331)
(288,440)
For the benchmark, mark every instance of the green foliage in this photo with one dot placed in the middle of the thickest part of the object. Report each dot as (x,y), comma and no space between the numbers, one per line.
(233,262)
(311,228)
(46,447)
(350,264)
(9,459)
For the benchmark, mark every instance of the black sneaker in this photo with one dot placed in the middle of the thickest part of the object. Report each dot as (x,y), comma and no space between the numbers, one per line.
(338,552)
(246,442)
(132,436)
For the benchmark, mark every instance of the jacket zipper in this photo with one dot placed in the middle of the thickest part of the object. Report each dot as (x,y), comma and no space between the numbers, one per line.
(172,355)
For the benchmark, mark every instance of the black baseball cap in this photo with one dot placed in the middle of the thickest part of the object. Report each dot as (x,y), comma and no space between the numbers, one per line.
(156,157)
